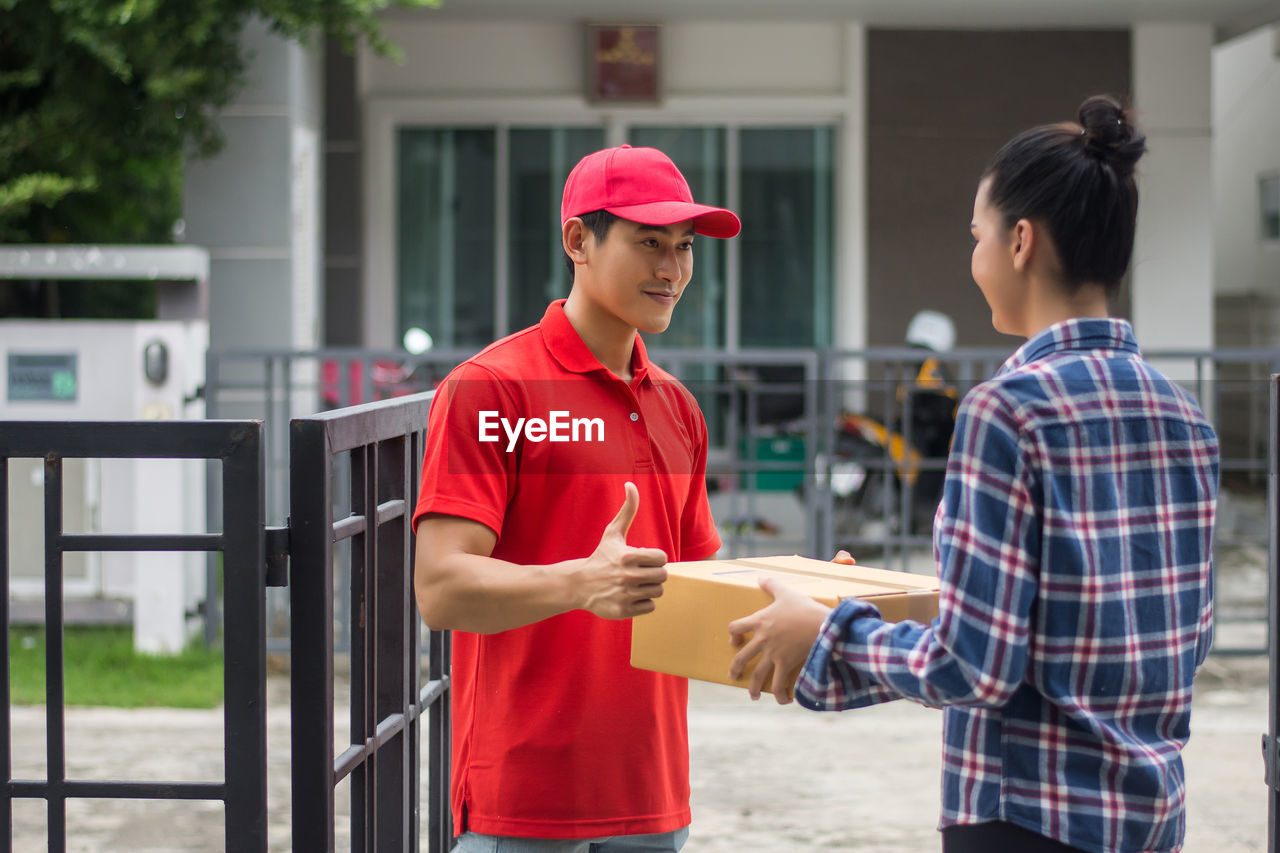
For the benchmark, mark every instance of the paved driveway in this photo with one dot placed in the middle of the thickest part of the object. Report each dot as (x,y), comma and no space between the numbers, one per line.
(765,777)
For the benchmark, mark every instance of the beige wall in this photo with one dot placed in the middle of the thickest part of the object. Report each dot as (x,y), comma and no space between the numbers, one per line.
(1172,256)
(495,59)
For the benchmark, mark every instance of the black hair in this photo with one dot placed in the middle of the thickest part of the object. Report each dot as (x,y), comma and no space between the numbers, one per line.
(1076,180)
(598,222)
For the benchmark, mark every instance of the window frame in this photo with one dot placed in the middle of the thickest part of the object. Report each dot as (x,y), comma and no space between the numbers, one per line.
(386,116)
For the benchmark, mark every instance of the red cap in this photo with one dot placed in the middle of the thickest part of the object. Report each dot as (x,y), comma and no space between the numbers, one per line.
(643,185)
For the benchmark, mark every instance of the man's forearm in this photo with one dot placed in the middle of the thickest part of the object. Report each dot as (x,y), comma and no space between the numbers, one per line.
(483,595)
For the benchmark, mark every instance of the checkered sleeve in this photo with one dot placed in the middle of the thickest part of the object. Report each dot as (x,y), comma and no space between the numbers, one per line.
(1204,631)
(988,544)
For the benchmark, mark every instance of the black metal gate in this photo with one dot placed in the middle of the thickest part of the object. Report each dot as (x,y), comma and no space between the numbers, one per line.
(238,444)
(382,443)
(381,446)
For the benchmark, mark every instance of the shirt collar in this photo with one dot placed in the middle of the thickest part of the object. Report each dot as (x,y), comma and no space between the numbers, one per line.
(1079,334)
(568,348)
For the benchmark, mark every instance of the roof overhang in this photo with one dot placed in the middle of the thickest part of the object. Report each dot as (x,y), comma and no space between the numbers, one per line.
(1229,17)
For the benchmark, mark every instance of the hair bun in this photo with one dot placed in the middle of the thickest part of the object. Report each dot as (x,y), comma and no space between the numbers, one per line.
(1109,135)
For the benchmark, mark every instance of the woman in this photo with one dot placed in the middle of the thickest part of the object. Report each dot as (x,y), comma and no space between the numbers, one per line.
(1073,540)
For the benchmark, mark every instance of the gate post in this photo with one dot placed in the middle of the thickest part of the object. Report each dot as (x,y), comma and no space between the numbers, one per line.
(1269,741)
(311,621)
(244,505)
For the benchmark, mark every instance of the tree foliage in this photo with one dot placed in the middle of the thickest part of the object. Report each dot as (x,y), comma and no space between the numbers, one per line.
(100,101)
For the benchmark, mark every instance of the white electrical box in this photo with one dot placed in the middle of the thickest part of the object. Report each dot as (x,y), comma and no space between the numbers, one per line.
(110,370)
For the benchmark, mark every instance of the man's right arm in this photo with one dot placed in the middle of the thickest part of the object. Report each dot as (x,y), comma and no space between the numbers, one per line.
(459,586)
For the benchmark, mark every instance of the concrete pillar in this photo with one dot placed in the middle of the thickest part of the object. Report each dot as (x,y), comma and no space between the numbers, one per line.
(1172,283)
(1246,142)
(852,317)
(851,246)
(255,205)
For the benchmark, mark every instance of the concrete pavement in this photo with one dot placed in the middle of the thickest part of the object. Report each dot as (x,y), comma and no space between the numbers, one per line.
(764,777)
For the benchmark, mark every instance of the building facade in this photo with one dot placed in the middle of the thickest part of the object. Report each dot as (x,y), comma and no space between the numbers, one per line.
(424,193)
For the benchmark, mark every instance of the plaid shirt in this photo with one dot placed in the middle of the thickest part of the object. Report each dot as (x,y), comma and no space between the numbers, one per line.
(1074,545)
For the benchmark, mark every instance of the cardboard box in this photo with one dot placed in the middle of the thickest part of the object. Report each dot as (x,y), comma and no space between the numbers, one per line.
(688,632)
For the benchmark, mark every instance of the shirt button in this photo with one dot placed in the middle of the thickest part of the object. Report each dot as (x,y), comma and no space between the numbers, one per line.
(634,417)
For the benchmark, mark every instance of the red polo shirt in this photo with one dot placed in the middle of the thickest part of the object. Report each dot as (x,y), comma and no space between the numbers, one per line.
(554,734)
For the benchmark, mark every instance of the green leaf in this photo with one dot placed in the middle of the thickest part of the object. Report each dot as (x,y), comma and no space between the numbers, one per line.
(39,188)
(25,78)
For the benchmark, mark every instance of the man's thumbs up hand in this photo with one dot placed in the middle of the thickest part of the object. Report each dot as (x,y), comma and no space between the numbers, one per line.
(618,581)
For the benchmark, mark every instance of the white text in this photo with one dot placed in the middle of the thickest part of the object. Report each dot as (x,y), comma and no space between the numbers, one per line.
(557,427)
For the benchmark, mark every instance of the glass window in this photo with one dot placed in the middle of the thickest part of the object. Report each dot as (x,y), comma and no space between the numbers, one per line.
(464,241)
(446,235)
(700,153)
(1270,193)
(787,184)
(539,161)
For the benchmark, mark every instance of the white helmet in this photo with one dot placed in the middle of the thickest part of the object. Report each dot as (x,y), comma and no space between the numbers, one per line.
(932,330)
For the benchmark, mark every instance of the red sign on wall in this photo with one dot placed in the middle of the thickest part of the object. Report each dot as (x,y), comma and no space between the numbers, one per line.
(622,63)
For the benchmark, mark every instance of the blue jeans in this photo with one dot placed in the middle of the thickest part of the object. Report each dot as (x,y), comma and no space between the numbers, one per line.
(659,842)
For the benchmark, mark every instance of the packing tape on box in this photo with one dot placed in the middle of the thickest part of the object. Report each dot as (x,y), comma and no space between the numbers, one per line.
(888,585)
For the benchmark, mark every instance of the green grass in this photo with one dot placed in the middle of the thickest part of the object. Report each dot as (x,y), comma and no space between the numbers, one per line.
(101,668)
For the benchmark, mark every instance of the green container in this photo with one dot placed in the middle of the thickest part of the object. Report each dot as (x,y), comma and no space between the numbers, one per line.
(775,449)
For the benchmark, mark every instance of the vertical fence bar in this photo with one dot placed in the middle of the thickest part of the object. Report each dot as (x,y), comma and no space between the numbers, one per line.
(412,453)
(362,803)
(888,497)
(812,450)
(733,437)
(391,649)
(212,492)
(439,749)
(902,419)
(829,404)
(1270,752)
(278,477)
(55,713)
(340,484)
(6,734)
(311,636)
(1273,534)
(244,662)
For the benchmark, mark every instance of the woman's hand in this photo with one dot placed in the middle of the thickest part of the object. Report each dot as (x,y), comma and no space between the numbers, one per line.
(781,634)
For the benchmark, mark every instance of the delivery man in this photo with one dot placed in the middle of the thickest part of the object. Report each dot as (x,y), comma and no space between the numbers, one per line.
(562,470)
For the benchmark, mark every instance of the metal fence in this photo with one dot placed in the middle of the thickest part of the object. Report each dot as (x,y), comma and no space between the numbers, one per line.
(382,445)
(279,385)
(367,515)
(791,467)
(241,543)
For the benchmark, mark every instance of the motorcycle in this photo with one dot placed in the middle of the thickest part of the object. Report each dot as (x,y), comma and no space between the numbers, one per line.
(886,476)
(887,479)
(890,476)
